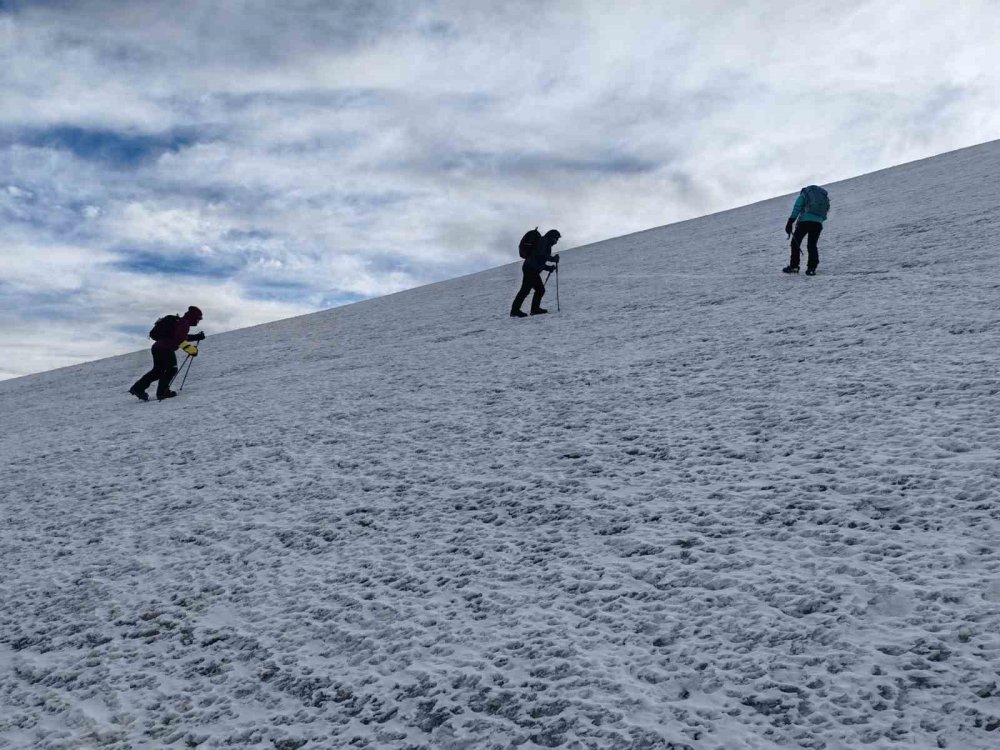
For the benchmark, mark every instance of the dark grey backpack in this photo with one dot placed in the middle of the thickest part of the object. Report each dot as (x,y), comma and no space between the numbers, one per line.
(164,327)
(529,242)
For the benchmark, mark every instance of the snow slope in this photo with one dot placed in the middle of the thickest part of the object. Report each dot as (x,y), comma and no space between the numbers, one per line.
(707,505)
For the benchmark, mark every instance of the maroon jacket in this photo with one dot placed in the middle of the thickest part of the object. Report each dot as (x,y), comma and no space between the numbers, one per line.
(177,337)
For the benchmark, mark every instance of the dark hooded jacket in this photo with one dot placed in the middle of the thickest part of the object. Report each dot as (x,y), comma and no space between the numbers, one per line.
(180,333)
(541,253)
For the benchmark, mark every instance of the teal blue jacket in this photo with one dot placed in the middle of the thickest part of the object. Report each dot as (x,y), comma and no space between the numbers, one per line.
(797,213)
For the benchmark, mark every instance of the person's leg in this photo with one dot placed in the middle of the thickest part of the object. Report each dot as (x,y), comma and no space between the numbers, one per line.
(797,235)
(166,362)
(812,244)
(539,286)
(146,380)
(526,286)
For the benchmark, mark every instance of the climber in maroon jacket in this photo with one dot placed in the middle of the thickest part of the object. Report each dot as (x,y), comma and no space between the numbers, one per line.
(169,333)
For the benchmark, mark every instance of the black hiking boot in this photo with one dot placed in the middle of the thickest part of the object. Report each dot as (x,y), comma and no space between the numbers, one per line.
(141,395)
(518,314)
(168,394)
(790,269)
(539,311)
(810,272)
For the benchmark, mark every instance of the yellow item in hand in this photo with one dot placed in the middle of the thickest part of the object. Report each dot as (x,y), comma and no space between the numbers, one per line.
(190,348)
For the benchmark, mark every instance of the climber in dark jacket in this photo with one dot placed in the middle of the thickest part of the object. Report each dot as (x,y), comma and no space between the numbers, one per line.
(164,358)
(539,259)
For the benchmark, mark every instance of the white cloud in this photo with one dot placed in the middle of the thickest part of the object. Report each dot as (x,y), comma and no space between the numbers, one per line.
(148,223)
(48,268)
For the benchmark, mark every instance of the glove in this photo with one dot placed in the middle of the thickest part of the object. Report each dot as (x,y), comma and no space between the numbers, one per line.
(555,259)
(789,226)
(197,337)
(550,269)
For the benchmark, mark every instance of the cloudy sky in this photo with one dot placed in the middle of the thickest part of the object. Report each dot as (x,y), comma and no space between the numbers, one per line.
(266,159)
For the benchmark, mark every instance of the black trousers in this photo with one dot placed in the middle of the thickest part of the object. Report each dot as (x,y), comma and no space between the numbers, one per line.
(164,369)
(529,280)
(811,230)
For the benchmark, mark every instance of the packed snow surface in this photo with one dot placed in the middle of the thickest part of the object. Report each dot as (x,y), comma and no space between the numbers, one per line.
(706,505)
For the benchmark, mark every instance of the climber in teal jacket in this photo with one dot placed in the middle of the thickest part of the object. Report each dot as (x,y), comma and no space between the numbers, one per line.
(811,209)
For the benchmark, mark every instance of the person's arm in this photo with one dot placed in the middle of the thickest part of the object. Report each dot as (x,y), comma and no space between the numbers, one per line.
(196,337)
(800,203)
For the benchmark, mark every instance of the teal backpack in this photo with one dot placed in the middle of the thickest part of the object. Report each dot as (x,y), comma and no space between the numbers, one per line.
(817,202)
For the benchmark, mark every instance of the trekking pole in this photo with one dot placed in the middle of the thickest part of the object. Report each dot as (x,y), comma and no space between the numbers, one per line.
(185,362)
(191,355)
(184,379)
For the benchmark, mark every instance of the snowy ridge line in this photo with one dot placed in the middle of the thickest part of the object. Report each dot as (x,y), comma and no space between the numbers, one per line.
(706,506)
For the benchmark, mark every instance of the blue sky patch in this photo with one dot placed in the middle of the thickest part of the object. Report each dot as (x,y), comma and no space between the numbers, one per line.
(136,330)
(107,146)
(342,98)
(177,264)
(280,291)
(248,235)
(47,305)
(537,164)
